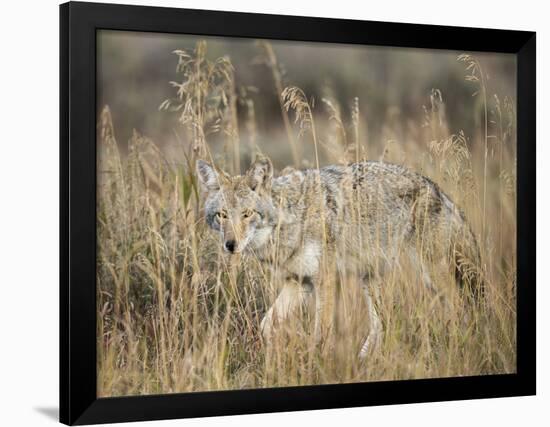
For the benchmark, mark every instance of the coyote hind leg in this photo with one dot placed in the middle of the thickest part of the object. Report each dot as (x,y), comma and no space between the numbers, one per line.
(421,270)
(372,342)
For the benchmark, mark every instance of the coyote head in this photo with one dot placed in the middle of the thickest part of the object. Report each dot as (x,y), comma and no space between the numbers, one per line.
(239,207)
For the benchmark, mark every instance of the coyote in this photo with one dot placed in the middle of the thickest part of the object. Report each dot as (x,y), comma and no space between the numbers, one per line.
(365,217)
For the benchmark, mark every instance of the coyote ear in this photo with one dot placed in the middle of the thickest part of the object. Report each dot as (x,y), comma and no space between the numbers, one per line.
(208,176)
(260,174)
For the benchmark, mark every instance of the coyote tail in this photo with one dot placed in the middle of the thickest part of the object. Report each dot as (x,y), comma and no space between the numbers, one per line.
(466,260)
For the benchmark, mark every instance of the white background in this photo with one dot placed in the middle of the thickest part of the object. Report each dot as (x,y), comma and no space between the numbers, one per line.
(29,210)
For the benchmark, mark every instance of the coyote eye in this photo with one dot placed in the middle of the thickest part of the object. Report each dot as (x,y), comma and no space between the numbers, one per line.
(248,213)
(221,215)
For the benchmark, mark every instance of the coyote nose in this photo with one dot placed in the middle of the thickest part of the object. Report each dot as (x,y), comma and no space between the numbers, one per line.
(230,245)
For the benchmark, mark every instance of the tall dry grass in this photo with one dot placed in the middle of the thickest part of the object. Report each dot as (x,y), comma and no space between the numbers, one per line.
(176,314)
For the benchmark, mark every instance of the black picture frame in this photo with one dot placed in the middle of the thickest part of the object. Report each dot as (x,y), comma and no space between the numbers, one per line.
(78,25)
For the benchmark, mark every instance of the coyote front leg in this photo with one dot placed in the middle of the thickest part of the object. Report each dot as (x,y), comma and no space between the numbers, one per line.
(290,299)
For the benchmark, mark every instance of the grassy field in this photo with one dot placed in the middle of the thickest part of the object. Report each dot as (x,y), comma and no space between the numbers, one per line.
(176,314)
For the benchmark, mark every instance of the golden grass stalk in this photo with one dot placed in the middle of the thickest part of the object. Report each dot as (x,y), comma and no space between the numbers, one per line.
(270,59)
(295,99)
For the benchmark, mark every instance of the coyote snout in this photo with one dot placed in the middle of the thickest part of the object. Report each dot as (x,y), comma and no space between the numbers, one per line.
(366,217)
(230,245)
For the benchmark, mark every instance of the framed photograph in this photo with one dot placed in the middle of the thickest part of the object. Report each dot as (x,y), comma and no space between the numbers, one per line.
(268,213)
